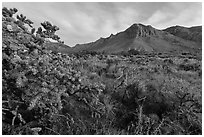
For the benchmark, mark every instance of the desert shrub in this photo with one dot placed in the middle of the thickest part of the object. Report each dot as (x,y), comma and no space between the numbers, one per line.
(123,53)
(185,53)
(168,61)
(189,67)
(133,52)
(200,73)
(85,54)
(162,105)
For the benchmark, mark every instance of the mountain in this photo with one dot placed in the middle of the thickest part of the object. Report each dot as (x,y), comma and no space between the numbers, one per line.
(58,47)
(146,38)
(192,33)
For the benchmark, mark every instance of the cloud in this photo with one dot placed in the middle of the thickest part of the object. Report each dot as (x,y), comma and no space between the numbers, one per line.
(85,22)
(158,16)
(184,14)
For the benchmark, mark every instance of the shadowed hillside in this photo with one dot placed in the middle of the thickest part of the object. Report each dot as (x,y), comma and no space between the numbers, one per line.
(192,33)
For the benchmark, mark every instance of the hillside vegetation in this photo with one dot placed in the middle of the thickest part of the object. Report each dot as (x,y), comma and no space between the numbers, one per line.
(50,93)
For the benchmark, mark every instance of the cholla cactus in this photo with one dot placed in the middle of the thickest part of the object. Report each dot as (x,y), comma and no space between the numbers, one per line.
(61,41)
(50,30)
(23,20)
(55,28)
(21,17)
(39,36)
(47,25)
(32,30)
(39,31)
(56,37)
(29,22)
(21,24)
(8,12)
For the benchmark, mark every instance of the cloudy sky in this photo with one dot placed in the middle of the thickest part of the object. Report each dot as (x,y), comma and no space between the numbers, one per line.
(86,22)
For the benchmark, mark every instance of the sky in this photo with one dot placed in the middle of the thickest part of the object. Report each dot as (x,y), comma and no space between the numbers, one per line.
(86,22)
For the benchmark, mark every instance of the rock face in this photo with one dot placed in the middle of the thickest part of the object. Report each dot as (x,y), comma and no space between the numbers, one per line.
(140,30)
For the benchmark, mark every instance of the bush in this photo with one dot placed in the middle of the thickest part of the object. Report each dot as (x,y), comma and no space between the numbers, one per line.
(189,67)
(133,52)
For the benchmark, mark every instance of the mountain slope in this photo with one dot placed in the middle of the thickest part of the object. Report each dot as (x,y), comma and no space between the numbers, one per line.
(192,33)
(57,47)
(142,38)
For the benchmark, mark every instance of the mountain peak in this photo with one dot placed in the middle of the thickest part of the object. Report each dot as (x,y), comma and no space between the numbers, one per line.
(140,30)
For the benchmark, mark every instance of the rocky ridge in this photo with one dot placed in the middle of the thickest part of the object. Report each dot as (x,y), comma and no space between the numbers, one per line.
(140,30)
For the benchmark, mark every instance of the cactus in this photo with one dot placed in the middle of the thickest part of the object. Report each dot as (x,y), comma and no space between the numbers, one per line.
(39,31)
(23,19)
(13,11)
(47,25)
(55,28)
(5,12)
(32,30)
(8,12)
(62,42)
(21,25)
(29,22)
(56,37)
(50,30)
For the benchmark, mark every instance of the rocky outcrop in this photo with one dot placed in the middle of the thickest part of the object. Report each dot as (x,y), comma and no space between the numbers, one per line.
(140,30)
